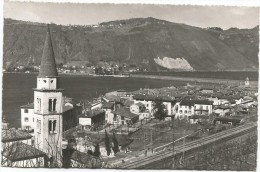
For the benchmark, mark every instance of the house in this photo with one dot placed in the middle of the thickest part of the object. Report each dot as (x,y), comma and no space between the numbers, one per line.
(27,117)
(92,119)
(140,110)
(108,107)
(137,108)
(148,101)
(222,110)
(207,90)
(187,108)
(218,99)
(123,116)
(18,150)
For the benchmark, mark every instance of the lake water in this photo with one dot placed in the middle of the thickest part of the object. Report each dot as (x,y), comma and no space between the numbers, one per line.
(17,89)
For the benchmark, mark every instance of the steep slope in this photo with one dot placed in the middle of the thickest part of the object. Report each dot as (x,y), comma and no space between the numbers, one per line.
(149,42)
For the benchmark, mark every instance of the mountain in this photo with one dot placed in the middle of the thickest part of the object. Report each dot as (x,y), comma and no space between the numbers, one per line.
(149,42)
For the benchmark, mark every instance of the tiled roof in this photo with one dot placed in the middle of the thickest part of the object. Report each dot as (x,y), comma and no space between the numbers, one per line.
(13,134)
(108,105)
(153,98)
(128,102)
(124,112)
(192,102)
(21,151)
(48,64)
(140,104)
(28,106)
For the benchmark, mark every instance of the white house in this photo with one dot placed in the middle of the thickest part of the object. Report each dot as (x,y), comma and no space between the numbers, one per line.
(188,108)
(27,117)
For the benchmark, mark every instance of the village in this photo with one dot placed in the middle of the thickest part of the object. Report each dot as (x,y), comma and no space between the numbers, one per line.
(57,131)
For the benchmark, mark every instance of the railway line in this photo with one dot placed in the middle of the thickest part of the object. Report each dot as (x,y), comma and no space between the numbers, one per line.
(189,147)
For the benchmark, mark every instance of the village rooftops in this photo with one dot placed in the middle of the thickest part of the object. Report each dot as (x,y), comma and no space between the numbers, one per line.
(128,103)
(28,106)
(154,98)
(124,112)
(20,151)
(193,102)
(222,107)
(12,134)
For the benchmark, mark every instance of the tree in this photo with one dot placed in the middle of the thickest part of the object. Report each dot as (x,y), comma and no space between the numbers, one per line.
(97,151)
(115,142)
(160,109)
(107,143)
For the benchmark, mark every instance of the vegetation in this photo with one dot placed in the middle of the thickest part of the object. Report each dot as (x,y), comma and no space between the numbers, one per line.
(107,143)
(97,151)
(159,109)
(115,144)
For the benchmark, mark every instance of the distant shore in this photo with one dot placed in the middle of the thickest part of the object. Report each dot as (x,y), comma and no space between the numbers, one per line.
(209,80)
(173,78)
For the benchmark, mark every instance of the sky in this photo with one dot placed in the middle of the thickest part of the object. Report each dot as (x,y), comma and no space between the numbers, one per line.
(88,14)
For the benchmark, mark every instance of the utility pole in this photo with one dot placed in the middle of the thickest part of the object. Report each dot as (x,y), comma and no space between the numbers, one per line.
(173,141)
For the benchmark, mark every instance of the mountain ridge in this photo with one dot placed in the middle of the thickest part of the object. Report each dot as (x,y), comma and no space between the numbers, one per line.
(138,41)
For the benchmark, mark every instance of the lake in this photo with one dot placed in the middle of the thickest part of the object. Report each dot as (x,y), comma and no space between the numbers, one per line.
(17,89)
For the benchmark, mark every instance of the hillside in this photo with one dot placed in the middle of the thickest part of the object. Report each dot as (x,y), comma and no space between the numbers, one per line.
(152,43)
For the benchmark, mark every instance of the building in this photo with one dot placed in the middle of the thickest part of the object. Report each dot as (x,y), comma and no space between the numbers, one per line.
(222,110)
(48,105)
(92,119)
(18,150)
(108,107)
(148,101)
(27,117)
(188,108)
(123,116)
(140,110)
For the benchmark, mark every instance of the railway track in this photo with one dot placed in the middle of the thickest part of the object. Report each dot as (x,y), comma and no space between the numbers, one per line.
(166,153)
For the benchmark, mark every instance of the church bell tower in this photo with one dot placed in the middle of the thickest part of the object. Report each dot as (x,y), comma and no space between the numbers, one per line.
(48,100)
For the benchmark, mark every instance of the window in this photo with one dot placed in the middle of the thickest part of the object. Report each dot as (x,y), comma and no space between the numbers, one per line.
(26,119)
(52,105)
(44,81)
(51,81)
(52,126)
(38,104)
(38,125)
(25,110)
(180,111)
(185,111)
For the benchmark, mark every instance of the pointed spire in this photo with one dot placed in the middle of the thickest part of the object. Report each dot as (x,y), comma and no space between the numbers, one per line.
(48,65)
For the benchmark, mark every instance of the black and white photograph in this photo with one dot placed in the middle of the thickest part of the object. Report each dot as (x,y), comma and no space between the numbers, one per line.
(129,86)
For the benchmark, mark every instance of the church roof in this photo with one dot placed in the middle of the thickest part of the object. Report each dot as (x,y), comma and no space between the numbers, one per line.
(48,65)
